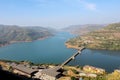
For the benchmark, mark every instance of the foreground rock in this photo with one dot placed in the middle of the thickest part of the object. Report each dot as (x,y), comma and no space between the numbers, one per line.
(27,71)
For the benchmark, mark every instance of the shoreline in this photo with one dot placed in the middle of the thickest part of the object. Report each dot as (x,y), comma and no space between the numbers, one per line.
(71,46)
(14,42)
(76,47)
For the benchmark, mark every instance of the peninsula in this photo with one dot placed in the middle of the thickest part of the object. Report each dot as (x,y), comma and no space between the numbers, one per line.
(106,38)
(12,33)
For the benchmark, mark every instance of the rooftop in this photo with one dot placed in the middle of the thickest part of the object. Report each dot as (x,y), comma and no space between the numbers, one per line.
(23,68)
(51,72)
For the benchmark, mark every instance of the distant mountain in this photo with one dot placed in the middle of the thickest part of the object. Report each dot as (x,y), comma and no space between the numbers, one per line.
(105,38)
(83,29)
(13,33)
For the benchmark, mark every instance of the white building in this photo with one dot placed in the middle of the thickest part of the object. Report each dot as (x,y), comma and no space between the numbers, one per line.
(48,74)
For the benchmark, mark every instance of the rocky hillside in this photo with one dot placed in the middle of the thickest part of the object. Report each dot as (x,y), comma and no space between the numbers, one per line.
(9,34)
(105,38)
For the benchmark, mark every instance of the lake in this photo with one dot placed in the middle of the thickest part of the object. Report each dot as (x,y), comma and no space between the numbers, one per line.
(53,50)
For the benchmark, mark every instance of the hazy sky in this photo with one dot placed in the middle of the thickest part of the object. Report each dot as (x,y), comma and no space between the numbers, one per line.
(59,13)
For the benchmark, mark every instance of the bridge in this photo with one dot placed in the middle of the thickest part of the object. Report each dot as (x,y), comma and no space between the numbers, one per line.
(73,56)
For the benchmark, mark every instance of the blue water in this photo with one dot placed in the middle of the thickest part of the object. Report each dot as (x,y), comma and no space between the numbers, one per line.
(50,50)
(53,50)
(105,59)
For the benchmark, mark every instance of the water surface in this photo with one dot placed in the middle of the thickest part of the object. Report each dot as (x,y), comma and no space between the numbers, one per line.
(53,50)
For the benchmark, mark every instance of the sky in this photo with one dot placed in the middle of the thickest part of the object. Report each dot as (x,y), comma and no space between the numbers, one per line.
(58,13)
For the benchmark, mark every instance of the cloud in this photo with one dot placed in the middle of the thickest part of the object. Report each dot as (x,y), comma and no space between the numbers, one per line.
(84,3)
(40,1)
(90,6)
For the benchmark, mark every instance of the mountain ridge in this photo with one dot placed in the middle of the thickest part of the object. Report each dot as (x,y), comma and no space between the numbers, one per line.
(83,29)
(13,33)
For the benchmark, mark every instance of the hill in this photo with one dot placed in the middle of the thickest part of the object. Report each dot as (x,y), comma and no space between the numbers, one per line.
(10,34)
(105,38)
(83,29)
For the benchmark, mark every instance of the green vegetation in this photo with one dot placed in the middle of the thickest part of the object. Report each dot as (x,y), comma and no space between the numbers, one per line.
(73,78)
(10,34)
(106,38)
(75,72)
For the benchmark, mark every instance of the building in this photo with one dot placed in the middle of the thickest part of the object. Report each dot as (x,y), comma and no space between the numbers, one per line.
(23,70)
(83,74)
(49,74)
(92,69)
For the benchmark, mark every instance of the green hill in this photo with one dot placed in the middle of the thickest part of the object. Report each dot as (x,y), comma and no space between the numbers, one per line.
(105,38)
(9,34)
